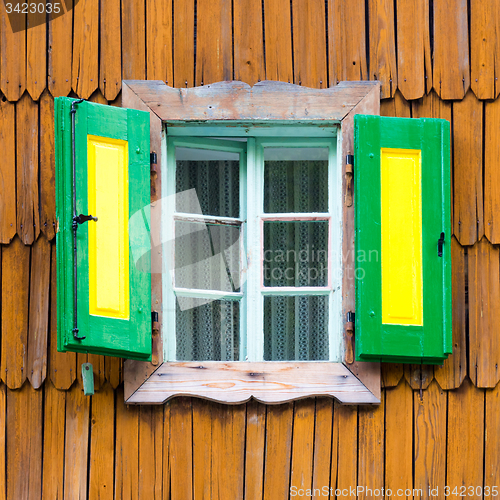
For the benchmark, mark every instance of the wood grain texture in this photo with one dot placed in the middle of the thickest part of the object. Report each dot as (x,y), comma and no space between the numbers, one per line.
(454,369)
(301,468)
(451,75)
(484,46)
(248,42)
(468,221)
(159,30)
(491,171)
(202,448)
(62,365)
(391,374)
(133,39)
(60,47)
(184,44)
(27,189)
(97,362)
(418,376)
(430,439)
(102,432)
(110,61)
(76,446)
(254,449)
(214,55)
(278,49)
(15,291)
(398,439)
(322,443)
(431,106)
(53,442)
(24,443)
(12,58)
(7,172)
(278,451)
(36,53)
(465,442)
(309,66)
(484,302)
(346,41)
(47,167)
(492,437)
(85,61)
(414,49)
(39,312)
(166,451)
(345,423)
(3,437)
(113,369)
(371,449)
(382,46)
(126,449)
(397,107)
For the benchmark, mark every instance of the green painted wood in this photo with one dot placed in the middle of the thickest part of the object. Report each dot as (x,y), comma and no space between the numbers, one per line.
(111,336)
(430,343)
(88,379)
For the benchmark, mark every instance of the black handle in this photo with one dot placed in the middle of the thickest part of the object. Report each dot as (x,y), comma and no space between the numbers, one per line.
(440,245)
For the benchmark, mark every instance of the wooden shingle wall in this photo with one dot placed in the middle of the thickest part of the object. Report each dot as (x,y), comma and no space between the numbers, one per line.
(434,58)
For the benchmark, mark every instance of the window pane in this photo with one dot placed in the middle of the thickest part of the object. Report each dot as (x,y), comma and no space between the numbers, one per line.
(207,256)
(210,332)
(215,175)
(296,328)
(296,253)
(295,180)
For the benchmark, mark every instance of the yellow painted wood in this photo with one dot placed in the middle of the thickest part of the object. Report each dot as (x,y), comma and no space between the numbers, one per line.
(108,237)
(402,293)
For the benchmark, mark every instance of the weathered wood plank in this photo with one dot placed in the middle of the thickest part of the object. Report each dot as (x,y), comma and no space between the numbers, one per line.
(38,312)
(419,376)
(214,54)
(382,47)
(113,370)
(110,61)
(181,450)
(62,365)
(47,167)
(98,367)
(451,76)
(36,53)
(309,66)
(126,449)
(166,450)
(85,61)
(391,374)
(202,448)
(484,303)
(431,106)
(345,422)
(102,431)
(485,43)
(159,37)
(414,49)
(399,439)
(53,442)
(468,221)
(492,438)
(28,219)
(454,369)
(371,450)
(59,51)
(98,98)
(278,451)
(322,443)
(184,44)
(301,470)
(278,49)
(3,442)
(248,42)
(430,440)
(254,449)
(346,40)
(7,172)
(133,39)
(15,291)
(12,51)
(398,106)
(465,444)
(76,444)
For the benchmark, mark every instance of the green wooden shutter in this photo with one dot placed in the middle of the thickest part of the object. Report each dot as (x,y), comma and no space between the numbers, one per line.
(112,182)
(402,205)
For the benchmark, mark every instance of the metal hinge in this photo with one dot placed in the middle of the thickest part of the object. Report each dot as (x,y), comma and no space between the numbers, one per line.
(349,179)
(153,160)
(349,328)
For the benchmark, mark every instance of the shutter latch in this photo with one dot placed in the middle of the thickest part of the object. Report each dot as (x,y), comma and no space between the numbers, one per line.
(349,328)
(80,219)
(440,245)
(349,178)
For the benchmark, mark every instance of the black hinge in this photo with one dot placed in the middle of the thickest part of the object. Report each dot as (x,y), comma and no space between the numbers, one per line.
(154,316)
(350,161)
(349,179)
(350,317)
(153,158)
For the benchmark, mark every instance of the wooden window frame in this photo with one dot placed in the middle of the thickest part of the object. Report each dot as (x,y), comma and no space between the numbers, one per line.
(349,382)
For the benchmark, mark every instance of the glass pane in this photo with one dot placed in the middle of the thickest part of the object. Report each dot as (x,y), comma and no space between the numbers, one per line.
(296,253)
(207,256)
(296,328)
(215,175)
(210,332)
(295,180)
